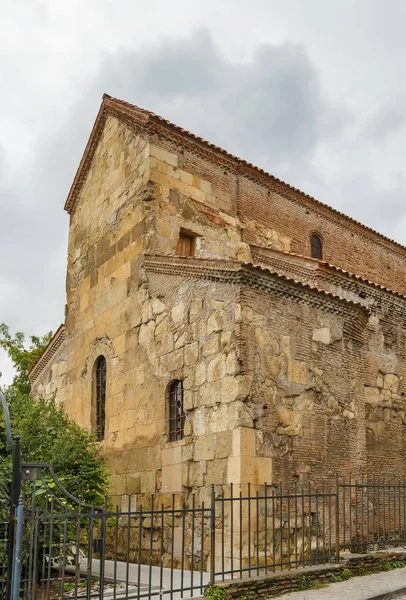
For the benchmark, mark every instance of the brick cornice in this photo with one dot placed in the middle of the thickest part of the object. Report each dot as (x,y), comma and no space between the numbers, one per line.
(53,346)
(254,277)
(304,265)
(147,122)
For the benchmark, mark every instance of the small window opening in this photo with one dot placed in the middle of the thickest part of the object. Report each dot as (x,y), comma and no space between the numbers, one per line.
(316,246)
(176,412)
(186,245)
(101,369)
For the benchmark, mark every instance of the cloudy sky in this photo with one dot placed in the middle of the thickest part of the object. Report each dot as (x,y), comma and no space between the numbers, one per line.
(311,90)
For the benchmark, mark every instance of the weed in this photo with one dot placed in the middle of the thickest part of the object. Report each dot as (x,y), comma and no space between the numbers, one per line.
(346,574)
(215,593)
(398,564)
(304,582)
(385,565)
(361,569)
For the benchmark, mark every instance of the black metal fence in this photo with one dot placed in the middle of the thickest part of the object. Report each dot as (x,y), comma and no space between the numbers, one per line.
(176,550)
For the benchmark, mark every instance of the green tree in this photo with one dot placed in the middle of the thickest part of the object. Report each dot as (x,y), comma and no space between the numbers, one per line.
(47,433)
(23,358)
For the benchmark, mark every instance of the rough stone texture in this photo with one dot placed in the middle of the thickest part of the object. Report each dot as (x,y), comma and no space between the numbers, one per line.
(306,358)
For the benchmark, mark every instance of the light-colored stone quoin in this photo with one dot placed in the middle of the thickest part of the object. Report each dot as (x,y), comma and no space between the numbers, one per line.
(292,367)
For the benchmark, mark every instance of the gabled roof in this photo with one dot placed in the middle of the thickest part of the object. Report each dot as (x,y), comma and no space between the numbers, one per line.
(53,345)
(145,120)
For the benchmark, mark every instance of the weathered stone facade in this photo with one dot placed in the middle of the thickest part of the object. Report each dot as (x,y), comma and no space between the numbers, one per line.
(291,367)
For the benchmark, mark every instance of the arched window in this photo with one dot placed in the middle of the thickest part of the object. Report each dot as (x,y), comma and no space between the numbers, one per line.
(100,386)
(176,412)
(316,246)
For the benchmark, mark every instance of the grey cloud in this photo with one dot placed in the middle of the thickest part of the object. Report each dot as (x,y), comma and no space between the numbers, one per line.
(266,110)
(386,121)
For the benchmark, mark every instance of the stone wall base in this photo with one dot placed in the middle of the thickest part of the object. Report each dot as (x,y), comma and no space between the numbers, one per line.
(276,584)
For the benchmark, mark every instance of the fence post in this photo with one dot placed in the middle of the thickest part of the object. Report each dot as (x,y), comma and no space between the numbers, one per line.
(18,537)
(212,535)
(337,520)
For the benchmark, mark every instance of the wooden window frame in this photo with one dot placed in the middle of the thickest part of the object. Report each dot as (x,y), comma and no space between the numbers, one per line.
(186,244)
(100,396)
(177,413)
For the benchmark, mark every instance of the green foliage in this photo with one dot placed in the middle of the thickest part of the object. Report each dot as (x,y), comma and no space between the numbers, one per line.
(214,592)
(385,565)
(22,357)
(361,569)
(49,435)
(343,576)
(398,564)
(304,582)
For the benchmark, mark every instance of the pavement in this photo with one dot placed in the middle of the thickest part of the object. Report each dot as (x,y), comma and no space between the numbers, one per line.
(162,581)
(380,586)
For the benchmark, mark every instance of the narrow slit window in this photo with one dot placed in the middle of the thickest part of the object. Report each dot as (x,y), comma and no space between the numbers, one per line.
(316,246)
(176,412)
(101,370)
(185,245)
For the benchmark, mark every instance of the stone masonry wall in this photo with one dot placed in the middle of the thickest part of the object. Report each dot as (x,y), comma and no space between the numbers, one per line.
(270,214)
(276,386)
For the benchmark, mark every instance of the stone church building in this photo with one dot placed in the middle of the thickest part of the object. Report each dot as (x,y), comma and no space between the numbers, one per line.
(222,326)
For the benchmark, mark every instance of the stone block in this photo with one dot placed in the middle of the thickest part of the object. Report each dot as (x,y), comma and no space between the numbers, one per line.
(211,346)
(196,308)
(263,470)
(273,365)
(146,333)
(172,478)
(228,341)
(167,157)
(196,473)
(266,340)
(148,481)
(297,372)
(174,360)
(215,322)
(210,393)
(233,364)
(178,312)
(216,369)
(235,388)
(191,353)
(223,444)
(391,382)
(291,421)
(133,483)
(371,395)
(163,327)
(244,442)
(158,307)
(216,472)
(200,374)
(204,447)
(322,335)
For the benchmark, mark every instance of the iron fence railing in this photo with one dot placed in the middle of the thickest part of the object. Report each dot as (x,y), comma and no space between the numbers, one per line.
(173,547)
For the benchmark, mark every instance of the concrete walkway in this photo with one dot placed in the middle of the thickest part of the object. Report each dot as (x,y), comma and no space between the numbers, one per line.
(167,578)
(380,586)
